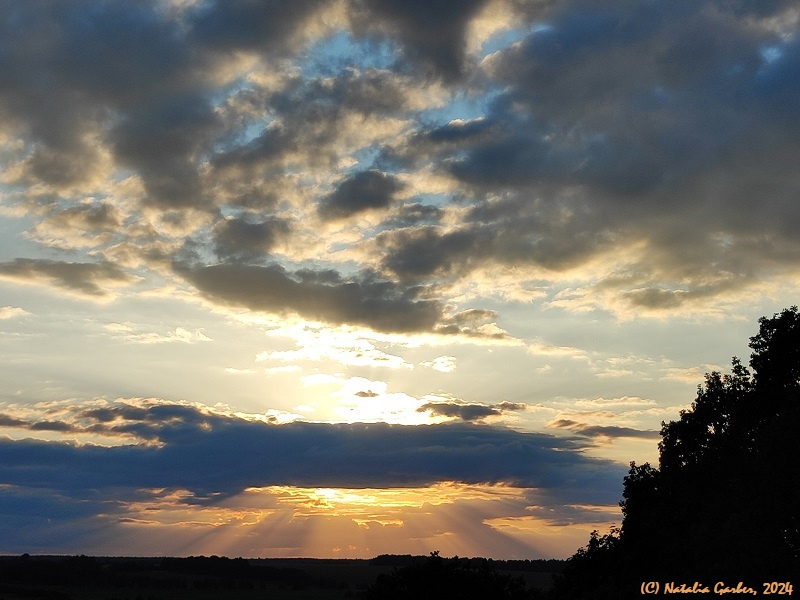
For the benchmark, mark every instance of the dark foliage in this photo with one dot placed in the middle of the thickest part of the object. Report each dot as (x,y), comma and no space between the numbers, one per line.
(724,503)
(51,575)
(538,565)
(438,578)
(156,578)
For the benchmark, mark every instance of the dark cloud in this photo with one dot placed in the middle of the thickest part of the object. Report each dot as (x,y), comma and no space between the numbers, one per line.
(51,426)
(235,25)
(662,123)
(205,452)
(69,165)
(425,251)
(240,239)
(512,406)
(264,151)
(82,75)
(120,55)
(432,33)
(634,98)
(165,142)
(105,415)
(362,191)
(610,96)
(470,322)
(656,298)
(87,279)
(511,232)
(469,412)
(457,134)
(465,412)
(76,69)
(68,498)
(9,421)
(414,214)
(608,431)
(319,295)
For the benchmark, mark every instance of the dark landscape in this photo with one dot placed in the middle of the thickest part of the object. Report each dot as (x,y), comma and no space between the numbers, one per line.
(161,578)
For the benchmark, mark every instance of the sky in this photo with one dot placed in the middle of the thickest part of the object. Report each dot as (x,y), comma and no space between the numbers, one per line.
(353,277)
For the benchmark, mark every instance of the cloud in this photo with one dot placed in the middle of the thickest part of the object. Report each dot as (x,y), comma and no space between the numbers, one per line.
(366,190)
(9,421)
(603,431)
(12,312)
(164,142)
(239,239)
(654,140)
(237,26)
(426,251)
(200,450)
(83,225)
(465,412)
(90,280)
(411,214)
(469,412)
(540,348)
(432,34)
(562,179)
(130,333)
(443,364)
(513,232)
(323,344)
(318,295)
(365,299)
(597,403)
(98,59)
(512,406)
(315,123)
(619,146)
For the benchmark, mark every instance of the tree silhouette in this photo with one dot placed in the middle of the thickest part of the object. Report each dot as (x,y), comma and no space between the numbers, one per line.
(438,578)
(724,502)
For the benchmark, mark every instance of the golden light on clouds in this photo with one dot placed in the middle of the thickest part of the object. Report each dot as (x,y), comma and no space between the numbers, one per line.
(339,522)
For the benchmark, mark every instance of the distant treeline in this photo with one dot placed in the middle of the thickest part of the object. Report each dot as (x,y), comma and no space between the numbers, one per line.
(549,565)
(19,573)
(437,578)
(63,577)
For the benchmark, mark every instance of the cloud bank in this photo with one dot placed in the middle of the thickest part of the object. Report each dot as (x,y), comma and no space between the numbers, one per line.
(196,449)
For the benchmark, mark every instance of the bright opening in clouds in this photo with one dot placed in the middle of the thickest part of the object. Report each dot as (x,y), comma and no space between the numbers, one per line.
(368,276)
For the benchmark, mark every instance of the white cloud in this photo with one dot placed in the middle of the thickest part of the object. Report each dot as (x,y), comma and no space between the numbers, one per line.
(235,371)
(129,332)
(346,347)
(11,312)
(619,401)
(443,364)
